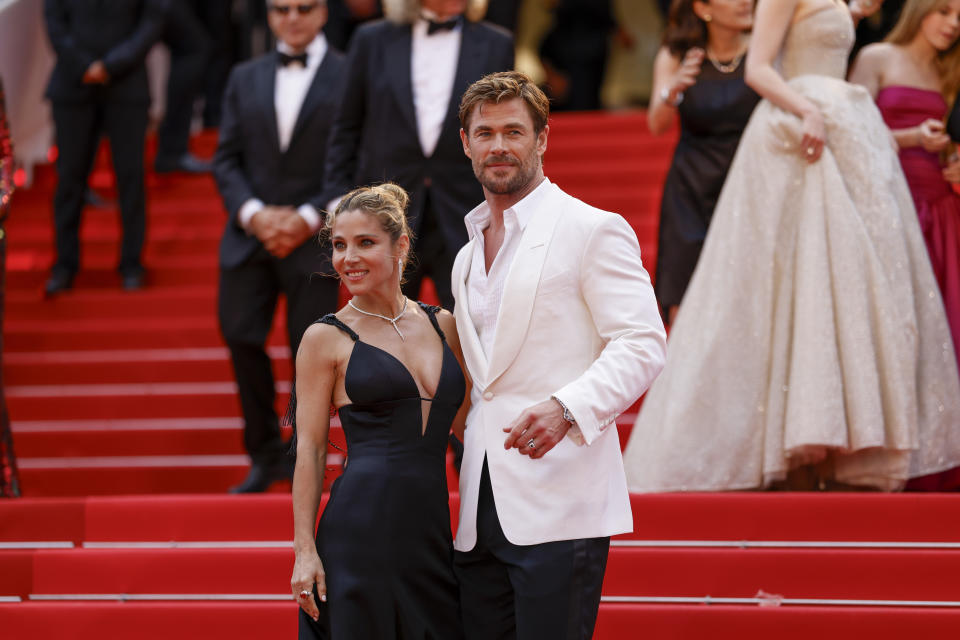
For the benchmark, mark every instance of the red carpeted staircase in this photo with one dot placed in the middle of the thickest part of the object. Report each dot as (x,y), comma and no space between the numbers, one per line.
(127,427)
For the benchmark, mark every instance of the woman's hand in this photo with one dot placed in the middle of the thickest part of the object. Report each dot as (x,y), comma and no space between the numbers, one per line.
(307,572)
(686,76)
(951,172)
(932,135)
(814,135)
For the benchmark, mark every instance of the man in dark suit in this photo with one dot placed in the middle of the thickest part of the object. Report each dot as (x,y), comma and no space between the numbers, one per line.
(99,84)
(277,112)
(398,122)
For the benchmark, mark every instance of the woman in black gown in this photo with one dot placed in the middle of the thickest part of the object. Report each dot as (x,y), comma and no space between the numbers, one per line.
(697,73)
(380,567)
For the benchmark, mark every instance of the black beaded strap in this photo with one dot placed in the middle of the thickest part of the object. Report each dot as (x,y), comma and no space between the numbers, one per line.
(432,312)
(332,319)
(290,417)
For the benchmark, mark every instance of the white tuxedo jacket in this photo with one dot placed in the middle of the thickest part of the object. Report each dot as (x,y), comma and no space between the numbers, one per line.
(578,320)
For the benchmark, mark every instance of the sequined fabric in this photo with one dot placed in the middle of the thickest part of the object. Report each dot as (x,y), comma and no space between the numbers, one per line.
(813,330)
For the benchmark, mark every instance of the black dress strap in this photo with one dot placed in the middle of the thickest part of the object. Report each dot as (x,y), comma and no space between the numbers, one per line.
(290,417)
(332,319)
(432,312)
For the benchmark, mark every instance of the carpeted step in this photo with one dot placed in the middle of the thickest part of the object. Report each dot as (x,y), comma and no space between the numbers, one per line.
(836,575)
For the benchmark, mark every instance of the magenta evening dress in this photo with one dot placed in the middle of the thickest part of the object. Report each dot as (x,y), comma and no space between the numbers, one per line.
(938,209)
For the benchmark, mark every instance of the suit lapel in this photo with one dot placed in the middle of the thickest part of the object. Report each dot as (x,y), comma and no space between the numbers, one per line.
(322,80)
(398,52)
(265,90)
(520,288)
(473,353)
(473,52)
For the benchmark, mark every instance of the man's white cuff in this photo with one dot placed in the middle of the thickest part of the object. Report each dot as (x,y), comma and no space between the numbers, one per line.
(311,216)
(250,208)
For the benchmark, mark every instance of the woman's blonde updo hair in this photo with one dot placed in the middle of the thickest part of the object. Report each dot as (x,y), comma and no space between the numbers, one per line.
(386,202)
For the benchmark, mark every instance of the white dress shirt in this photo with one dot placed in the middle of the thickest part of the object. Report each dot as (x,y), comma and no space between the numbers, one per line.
(485,288)
(292,84)
(433,69)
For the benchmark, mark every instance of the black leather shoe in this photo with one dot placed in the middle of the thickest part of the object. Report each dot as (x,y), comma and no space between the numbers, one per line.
(59,281)
(187,163)
(261,476)
(132,281)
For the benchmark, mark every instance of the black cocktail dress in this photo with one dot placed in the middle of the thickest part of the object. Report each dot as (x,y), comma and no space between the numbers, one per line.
(384,537)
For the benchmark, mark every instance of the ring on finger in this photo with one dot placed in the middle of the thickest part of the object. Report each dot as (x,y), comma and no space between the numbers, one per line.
(811,151)
(305,593)
(531,444)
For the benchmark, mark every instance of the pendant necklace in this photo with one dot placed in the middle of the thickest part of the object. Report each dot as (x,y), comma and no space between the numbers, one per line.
(392,321)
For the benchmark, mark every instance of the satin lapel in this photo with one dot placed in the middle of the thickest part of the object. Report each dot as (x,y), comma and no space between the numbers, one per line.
(520,288)
(321,81)
(266,80)
(398,52)
(473,355)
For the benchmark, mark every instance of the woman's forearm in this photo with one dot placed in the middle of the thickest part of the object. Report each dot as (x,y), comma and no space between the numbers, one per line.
(765,80)
(307,493)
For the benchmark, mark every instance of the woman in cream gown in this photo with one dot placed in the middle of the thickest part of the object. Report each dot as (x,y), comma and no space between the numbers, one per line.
(812,336)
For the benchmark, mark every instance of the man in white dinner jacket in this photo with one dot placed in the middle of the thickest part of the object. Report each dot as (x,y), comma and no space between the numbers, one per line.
(560,334)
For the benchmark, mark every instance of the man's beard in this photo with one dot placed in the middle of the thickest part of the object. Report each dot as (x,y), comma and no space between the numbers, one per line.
(514,183)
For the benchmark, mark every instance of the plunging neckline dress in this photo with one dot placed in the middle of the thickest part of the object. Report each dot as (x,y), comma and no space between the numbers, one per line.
(384,537)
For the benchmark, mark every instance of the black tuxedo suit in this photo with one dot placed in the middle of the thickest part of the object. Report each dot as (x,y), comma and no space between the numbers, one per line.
(250,164)
(118,32)
(375,138)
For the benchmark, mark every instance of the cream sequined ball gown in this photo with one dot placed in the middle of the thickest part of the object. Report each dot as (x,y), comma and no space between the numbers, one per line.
(813,329)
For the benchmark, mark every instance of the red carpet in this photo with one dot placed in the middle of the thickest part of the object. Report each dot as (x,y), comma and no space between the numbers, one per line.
(128,431)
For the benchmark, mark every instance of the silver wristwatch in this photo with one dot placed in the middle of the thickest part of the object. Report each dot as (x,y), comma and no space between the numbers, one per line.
(566,412)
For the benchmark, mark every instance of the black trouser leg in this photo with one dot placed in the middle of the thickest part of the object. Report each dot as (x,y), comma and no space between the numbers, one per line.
(126,126)
(190,48)
(247,302)
(548,591)
(77,135)
(310,295)
(432,258)
(215,16)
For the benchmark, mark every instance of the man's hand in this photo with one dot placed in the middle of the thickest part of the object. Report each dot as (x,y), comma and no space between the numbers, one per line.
(280,229)
(96,73)
(542,425)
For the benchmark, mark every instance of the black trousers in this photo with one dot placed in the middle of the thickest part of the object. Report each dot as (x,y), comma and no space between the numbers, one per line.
(432,257)
(190,48)
(78,129)
(547,591)
(247,305)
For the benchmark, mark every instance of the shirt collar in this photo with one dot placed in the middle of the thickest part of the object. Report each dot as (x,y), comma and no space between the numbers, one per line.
(479,219)
(315,50)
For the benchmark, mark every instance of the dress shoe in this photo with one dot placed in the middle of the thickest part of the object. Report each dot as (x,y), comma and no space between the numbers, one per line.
(187,163)
(59,281)
(132,281)
(261,476)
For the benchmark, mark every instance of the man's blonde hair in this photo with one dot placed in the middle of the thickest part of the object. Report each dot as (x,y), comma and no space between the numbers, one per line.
(501,86)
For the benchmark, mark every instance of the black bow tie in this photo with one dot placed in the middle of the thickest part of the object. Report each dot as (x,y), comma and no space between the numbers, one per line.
(433,26)
(286,60)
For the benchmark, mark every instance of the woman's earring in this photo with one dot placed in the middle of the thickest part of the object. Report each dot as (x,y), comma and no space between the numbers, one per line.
(707,18)
(400,267)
